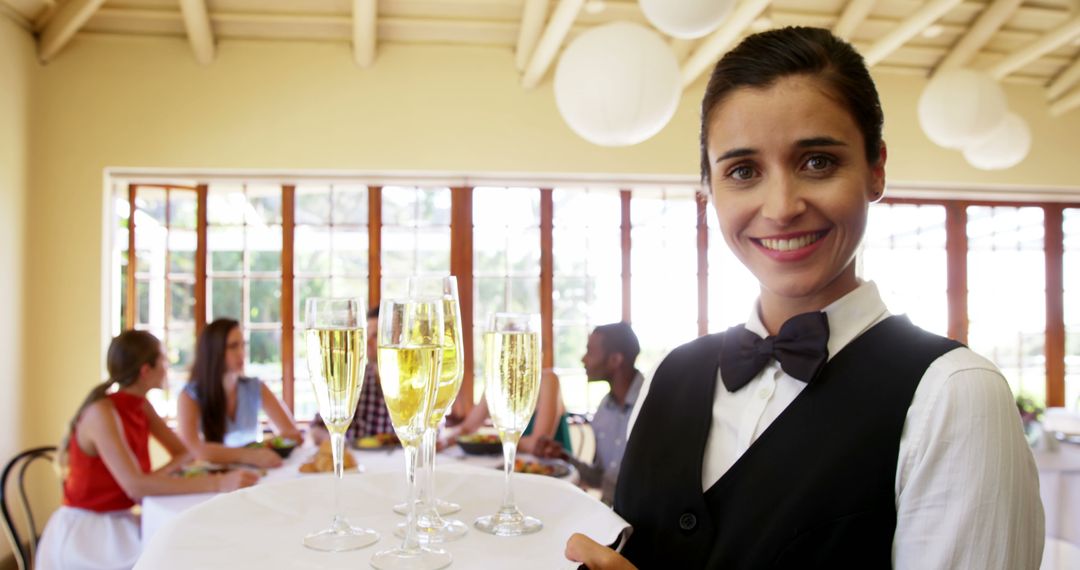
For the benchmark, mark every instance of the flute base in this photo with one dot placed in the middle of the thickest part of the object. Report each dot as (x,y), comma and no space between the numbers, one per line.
(508,523)
(444,508)
(340,537)
(411,559)
(446,530)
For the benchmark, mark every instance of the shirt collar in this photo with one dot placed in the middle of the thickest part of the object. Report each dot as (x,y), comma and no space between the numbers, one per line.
(849,316)
(631,394)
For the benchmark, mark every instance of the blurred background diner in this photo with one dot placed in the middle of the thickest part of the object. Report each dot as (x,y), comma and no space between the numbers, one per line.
(165,164)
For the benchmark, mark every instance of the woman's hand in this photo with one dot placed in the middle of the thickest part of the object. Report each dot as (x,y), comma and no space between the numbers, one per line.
(594,555)
(548,448)
(262,457)
(236,479)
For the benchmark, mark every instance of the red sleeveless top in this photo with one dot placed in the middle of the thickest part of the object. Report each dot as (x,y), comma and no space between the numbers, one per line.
(89,484)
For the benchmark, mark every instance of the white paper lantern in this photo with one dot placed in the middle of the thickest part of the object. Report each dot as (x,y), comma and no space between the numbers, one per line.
(686,19)
(617,84)
(1005,146)
(961,106)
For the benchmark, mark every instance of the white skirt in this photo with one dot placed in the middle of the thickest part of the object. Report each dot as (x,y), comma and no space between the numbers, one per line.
(78,539)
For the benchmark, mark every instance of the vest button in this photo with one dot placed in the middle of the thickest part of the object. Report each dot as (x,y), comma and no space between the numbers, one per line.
(687,521)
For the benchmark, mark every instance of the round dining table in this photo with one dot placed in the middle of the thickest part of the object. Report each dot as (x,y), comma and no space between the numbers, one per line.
(263,526)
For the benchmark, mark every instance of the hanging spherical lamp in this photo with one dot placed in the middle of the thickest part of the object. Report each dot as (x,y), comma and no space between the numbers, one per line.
(1006,146)
(686,19)
(617,84)
(961,106)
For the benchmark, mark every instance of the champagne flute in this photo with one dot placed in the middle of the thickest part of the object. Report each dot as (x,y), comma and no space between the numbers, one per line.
(410,357)
(336,356)
(511,385)
(432,527)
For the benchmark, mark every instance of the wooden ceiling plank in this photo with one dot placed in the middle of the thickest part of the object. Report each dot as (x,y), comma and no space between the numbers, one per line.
(907,29)
(364,20)
(1067,103)
(717,43)
(1065,80)
(1058,37)
(855,11)
(533,15)
(199,32)
(980,32)
(565,13)
(63,26)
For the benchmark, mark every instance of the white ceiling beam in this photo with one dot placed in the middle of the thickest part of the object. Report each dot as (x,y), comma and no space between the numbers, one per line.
(717,43)
(199,32)
(554,34)
(532,24)
(908,28)
(980,32)
(1047,43)
(62,27)
(854,13)
(1065,80)
(1066,103)
(364,20)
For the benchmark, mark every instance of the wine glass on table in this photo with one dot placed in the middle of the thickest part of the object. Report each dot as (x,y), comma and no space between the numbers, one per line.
(430,524)
(336,355)
(511,385)
(410,356)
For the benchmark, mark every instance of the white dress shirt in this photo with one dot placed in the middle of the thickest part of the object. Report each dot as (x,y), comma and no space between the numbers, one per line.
(967,491)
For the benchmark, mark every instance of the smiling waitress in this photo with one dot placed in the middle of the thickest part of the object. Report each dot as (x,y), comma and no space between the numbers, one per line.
(825,432)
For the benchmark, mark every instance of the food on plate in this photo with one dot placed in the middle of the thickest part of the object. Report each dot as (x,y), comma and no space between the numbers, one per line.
(323,460)
(552,468)
(283,446)
(480,438)
(480,444)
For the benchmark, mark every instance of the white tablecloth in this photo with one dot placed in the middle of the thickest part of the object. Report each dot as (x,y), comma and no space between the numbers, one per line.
(158,510)
(262,526)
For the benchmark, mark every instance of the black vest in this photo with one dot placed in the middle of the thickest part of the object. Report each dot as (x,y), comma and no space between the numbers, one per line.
(815,490)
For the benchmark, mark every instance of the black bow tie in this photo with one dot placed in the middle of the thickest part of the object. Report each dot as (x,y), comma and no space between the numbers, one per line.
(801,348)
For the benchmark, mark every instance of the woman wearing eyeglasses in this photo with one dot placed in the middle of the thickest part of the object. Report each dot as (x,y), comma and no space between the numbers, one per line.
(218,410)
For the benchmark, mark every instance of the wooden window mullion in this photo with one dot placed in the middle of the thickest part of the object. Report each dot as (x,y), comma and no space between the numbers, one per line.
(956,250)
(625,228)
(1055,304)
(702,263)
(461,266)
(131,315)
(374,246)
(288,325)
(201,256)
(547,309)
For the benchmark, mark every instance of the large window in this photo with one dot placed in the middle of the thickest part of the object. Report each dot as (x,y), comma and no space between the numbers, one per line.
(330,259)
(903,240)
(244,240)
(1007,293)
(506,259)
(663,267)
(586,283)
(579,256)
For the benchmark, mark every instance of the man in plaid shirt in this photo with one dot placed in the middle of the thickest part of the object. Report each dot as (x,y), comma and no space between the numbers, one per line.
(371,416)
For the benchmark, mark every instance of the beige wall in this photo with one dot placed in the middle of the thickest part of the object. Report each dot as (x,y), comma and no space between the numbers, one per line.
(16,63)
(137,102)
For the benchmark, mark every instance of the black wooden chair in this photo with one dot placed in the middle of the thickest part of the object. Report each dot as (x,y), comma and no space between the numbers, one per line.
(23,547)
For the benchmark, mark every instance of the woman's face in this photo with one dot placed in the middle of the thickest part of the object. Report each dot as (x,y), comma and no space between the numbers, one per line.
(234,352)
(155,373)
(791,186)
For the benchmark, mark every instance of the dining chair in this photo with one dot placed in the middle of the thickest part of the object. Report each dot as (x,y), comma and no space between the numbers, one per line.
(582,438)
(23,547)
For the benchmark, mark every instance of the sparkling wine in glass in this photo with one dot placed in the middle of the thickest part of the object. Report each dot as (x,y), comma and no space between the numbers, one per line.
(336,355)
(410,357)
(430,524)
(511,386)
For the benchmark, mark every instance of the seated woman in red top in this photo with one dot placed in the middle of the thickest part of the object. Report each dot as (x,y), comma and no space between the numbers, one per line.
(105,457)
